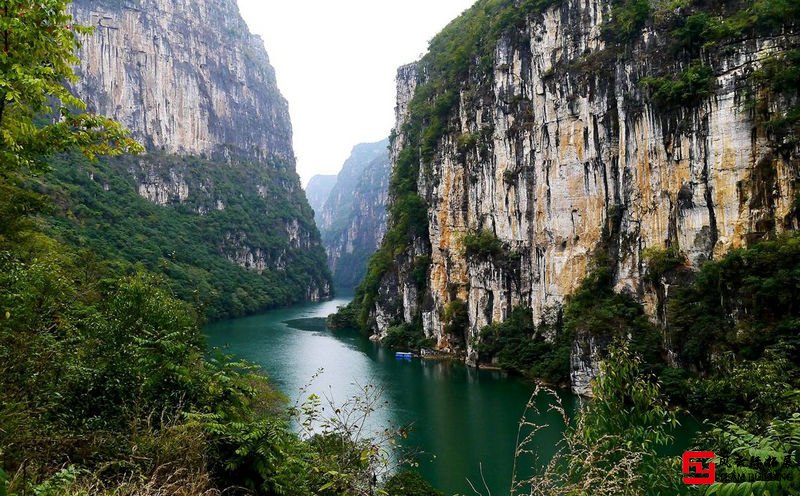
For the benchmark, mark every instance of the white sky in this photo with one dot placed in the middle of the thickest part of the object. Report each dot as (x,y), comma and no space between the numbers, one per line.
(336,62)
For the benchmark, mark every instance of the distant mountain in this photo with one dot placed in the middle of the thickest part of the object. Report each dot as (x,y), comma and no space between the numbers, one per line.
(353,218)
(317,192)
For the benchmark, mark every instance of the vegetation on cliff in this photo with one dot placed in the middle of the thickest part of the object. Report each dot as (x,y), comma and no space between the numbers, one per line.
(461,50)
(229,215)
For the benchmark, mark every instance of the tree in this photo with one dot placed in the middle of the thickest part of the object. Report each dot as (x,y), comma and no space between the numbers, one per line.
(38,114)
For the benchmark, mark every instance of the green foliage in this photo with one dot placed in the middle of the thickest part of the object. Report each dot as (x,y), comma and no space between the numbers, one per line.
(688,89)
(519,346)
(456,319)
(779,77)
(595,309)
(467,142)
(737,324)
(101,368)
(349,455)
(751,463)
(346,317)
(662,262)
(743,303)
(614,447)
(36,59)
(420,273)
(752,18)
(751,390)
(408,483)
(483,245)
(705,28)
(627,19)
(698,30)
(405,337)
(99,209)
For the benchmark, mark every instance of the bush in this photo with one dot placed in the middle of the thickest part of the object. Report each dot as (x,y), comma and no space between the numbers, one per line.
(483,245)
(743,303)
(688,89)
(456,319)
(346,317)
(519,346)
(405,337)
(662,262)
(409,484)
(615,445)
(628,17)
(757,462)
(595,309)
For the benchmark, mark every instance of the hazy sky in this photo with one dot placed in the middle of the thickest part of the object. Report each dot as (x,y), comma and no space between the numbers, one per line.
(336,63)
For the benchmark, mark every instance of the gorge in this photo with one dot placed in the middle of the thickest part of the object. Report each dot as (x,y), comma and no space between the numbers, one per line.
(580,236)
(352,216)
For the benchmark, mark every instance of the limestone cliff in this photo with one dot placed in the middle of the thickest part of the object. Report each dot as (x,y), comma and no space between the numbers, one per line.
(353,218)
(196,87)
(317,192)
(558,143)
(185,76)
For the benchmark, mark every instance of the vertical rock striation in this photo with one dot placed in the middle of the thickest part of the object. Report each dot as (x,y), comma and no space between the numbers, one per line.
(558,150)
(196,87)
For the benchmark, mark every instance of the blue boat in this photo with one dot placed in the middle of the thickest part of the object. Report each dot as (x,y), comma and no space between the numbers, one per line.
(403,355)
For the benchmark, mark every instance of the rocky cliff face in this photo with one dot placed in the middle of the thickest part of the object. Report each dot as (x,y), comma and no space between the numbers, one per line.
(185,76)
(559,149)
(197,89)
(317,192)
(353,218)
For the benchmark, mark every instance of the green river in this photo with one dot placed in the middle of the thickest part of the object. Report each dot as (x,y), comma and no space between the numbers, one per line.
(464,421)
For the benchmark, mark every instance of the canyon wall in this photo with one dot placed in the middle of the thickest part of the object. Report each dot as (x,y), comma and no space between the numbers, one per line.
(197,89)
(559,150)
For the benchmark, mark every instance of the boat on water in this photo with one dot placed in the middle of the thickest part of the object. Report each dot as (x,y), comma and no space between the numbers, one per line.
(404,355)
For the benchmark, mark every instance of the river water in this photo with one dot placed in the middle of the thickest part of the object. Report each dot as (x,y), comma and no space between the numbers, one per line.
(464,422)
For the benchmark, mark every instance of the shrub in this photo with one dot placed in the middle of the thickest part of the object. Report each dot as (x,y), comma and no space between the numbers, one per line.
(765,462)
(409,483)
(405,337)
(520,347)
(628,17)
(456,319)
(662,262)
(346,317)
(614,446)
(688,89)
(743,303)
(483,244)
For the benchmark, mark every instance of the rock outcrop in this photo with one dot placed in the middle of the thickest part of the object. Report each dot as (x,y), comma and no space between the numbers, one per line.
(353,218)
(196,88)
(560,149)
(185,76)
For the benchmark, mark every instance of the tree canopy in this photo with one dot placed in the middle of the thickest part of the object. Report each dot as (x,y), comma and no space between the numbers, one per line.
(39,116)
